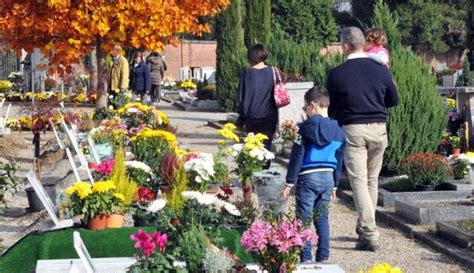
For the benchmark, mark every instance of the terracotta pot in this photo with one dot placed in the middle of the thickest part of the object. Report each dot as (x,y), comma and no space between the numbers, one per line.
(456,151)
(174,221)
(115,220)
(97,222)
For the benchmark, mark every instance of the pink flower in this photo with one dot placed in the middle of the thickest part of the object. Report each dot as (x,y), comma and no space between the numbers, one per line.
(282,268)
(161,240)
(143,242)
(257,236)
(106,167)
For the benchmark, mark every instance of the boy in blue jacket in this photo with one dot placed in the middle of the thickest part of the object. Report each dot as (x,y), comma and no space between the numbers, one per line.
(315,164)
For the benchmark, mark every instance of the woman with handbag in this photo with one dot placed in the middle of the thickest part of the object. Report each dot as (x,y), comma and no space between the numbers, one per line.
(256,106)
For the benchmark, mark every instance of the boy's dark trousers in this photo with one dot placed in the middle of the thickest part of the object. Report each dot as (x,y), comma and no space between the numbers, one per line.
(313,196)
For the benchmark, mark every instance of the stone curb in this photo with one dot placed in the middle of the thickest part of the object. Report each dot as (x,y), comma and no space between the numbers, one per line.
(419,235)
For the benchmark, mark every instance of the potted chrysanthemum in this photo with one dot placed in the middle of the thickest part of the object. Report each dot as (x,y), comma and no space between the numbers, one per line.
(95,202)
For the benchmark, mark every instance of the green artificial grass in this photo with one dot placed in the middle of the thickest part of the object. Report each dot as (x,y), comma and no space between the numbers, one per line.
(23,256)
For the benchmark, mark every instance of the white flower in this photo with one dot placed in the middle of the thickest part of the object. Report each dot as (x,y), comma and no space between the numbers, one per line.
(156,205)
(132,110)
(203,166)
(232,209)
(207,199)
(219,204)
(188,195)
(139,165)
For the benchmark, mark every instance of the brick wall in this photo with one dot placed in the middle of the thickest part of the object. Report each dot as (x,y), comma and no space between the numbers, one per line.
(190,54)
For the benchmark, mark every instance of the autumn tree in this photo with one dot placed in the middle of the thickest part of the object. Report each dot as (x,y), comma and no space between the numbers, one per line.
(67,30)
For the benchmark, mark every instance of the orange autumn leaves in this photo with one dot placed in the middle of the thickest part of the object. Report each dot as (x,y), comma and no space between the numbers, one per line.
(66,30)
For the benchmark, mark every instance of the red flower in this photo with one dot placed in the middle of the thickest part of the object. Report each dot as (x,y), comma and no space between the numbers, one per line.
(161,240)
(143,242)
(146,194)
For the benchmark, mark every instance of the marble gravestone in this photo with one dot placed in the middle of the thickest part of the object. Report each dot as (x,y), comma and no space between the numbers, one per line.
(293,110)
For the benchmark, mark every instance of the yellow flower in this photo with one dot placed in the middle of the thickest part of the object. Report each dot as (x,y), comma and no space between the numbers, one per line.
(382,268)
(230,126)
(228,132)
(451,102)
(137,105)
(254,141)
(180,152)
(119,196)
(82,189)
(221,142)
(164,118)
(148,133)
(103,186)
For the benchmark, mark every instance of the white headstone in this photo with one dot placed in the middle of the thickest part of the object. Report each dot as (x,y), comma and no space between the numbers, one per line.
(47,203)
(81,250)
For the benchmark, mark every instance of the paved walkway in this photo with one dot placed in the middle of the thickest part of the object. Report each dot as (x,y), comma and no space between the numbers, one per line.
(396,248)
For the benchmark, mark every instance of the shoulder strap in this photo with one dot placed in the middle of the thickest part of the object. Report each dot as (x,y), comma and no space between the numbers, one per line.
(274,75)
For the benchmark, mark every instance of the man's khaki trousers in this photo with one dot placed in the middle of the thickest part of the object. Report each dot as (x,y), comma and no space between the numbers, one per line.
(365,146)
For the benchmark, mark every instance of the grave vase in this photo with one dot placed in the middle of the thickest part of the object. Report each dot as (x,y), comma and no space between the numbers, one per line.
(115,220)
(247,189)
(34,202)
(97,222)
(268,185)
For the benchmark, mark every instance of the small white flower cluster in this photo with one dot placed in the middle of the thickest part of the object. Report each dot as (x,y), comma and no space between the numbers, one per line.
(462,157)
(261,154)
(139,165)
(156,205)
(203,165)
(96,130)
(211,200)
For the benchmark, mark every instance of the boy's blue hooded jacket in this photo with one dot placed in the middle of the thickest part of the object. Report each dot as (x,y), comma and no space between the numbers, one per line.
(320,144)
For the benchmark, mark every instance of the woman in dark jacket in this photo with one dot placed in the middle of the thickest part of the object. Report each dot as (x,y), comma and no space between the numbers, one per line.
(140,76)
(255,102)
(157,71)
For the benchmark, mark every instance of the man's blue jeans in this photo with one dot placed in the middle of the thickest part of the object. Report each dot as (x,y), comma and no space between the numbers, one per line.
(313,195)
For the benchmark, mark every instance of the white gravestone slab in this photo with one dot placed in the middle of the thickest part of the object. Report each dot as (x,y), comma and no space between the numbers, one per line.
(47,203)
(4,121)
(293,110)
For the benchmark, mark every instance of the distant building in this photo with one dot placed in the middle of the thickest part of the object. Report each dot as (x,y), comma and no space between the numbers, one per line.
(192,59)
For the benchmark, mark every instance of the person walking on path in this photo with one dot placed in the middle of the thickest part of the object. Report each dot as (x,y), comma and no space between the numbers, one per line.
(315,167)
(119,74)
(360,90)
(256,106)
(140,77)
(157,70)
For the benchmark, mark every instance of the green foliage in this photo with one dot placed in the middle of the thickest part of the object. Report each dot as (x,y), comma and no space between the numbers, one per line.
(402,185)
(217,261)
(388,21)
(119,176)
(433,24)
(158,262)
(362,11)
(8,180)
(426,169)
(257,22)
(179,184)
(192,247)
(230,54)
(418,122)
(459,167)
(307,20)
(102,113)
(300,61)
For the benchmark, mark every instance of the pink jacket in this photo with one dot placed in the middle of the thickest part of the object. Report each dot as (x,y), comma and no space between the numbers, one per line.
(379,54)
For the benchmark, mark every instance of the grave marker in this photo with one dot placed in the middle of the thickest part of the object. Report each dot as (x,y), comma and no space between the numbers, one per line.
(56,134)
(47,203)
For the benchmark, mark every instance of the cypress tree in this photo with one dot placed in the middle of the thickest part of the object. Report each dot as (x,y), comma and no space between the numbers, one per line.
(419,120)
(230,54)
(258,19)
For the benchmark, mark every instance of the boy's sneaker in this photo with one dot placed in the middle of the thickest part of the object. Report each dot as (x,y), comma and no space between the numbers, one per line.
(306,262)
(365,245)
(325,261)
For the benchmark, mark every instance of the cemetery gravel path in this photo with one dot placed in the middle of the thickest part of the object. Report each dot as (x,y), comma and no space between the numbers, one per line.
(396,248)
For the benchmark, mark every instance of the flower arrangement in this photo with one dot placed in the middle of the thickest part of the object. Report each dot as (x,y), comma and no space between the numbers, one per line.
(382,268)
(141,173)
(168,82)
(211,201)
(150,146)
(460,165)
(451,104)
(104,169)
(152,256)
(454,142)
(426,169)
(200,168)
(5,86)
(90,200)
(188,85)
(277,244)
(250,157)
(137,114)
(288,131)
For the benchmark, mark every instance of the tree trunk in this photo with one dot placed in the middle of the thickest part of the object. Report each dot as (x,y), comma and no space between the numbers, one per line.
(102,78)
(93,71)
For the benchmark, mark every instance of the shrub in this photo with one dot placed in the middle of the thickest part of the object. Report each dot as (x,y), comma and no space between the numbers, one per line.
(192,247)
(119,176)
(426,169)
(8,180)
(230,54)
(257,22)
